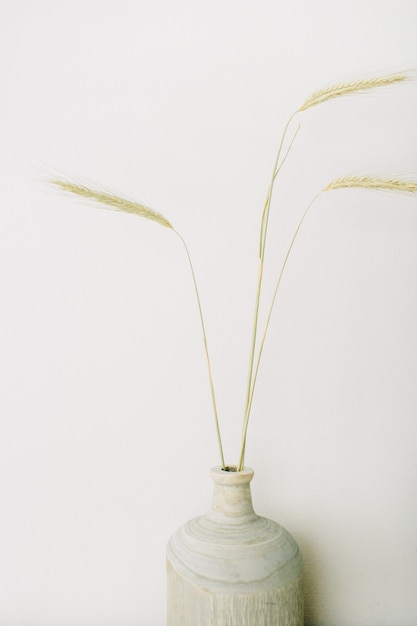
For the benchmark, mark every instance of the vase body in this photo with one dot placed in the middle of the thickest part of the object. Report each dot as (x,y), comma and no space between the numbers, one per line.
(232,567)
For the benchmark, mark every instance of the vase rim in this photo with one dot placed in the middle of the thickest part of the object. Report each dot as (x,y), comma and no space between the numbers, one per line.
(226,476)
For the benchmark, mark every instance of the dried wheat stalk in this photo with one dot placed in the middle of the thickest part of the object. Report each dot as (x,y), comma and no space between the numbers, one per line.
(343,89)
(111,200)
(369,182)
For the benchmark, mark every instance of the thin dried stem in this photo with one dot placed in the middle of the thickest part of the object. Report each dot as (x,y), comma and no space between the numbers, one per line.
(263,233)
(275,172)
(213,395)
(261,346)
(346,182)
(128,206)
(318,97)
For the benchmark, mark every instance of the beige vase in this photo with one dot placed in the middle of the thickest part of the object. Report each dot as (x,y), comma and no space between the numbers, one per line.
(232,567)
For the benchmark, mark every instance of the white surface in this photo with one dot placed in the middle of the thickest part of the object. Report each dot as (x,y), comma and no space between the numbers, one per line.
(104,385)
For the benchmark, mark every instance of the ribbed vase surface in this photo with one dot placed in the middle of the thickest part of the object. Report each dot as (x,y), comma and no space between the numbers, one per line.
(232,567)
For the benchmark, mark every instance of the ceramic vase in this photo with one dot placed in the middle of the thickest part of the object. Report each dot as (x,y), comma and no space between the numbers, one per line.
(232,567)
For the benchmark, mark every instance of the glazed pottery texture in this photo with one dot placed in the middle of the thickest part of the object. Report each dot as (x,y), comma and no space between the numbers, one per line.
(232,567)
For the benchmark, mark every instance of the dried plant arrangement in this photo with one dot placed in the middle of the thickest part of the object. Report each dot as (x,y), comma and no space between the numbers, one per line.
(258,340)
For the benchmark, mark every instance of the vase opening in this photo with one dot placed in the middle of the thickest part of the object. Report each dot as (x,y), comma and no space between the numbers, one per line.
(229,468)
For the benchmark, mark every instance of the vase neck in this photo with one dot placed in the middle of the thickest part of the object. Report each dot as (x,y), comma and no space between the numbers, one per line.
(232,499)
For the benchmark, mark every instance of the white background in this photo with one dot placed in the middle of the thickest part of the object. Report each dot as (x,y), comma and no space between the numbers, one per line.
(107,434)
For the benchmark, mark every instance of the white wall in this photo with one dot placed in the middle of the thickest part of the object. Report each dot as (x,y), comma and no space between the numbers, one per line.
(106,430)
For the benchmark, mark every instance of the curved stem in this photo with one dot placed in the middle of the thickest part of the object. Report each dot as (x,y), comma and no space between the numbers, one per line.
(275,172)
(213,395)
(249,405)
(264,227)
